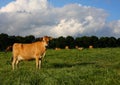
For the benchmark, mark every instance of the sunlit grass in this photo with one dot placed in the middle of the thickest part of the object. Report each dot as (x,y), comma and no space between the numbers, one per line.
(99,66)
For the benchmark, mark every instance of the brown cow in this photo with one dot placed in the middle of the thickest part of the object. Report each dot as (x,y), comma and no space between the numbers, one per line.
(90,47)
(57,48)
(35,50)
(67,47)
(79,48)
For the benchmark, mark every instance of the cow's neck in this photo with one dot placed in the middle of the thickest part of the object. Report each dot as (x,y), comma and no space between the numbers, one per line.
(44,43)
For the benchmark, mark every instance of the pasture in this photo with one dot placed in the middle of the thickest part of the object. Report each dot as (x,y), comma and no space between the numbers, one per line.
(99,66)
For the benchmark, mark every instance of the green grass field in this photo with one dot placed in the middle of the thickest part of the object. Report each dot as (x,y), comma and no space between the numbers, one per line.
(99,66)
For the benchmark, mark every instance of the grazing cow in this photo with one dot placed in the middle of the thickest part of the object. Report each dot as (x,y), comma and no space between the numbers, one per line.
(79,48)
(66,47)
(90,47)
(57,48)
(35,50)
(76,47)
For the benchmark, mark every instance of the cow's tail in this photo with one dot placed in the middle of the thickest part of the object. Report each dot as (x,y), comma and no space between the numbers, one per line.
(11,59)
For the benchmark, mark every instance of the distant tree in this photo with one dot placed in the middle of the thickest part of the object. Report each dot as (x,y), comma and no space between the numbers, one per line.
(102,42)
(52,43)
(70,42)
(107,42)
(57,42)
(118,42)
(11,40)
(112,42)
(3,41)
(60,42)
(85,41)
(78,42)
(93,41)
(19,39)
(29,39)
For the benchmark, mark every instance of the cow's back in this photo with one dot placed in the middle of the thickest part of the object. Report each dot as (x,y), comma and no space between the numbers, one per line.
(23,50)
(28,51)
(16,48)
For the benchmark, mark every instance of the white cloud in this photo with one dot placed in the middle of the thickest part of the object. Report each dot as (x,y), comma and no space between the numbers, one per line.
(25,5)
(115,28)
(67,27)
(38,17)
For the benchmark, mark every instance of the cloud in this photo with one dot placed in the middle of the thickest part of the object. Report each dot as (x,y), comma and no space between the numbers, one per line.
(39,18)
(67,27)
(25,5)
(115,28)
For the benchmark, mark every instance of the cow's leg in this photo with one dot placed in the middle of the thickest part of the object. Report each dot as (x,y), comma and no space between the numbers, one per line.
(17,61)
(40,61)
(37,62)
(43,55)
(13,63)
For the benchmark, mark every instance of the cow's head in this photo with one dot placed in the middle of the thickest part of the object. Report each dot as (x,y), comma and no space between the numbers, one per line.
(46,39)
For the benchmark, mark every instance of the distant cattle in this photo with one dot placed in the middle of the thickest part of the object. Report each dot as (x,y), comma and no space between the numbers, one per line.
(35,50)
(66,47)
(9,48)
(57,48)
(76,47)
(79,48)
(90,46)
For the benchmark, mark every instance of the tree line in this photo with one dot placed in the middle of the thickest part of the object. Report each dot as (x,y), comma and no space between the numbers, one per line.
(61,42)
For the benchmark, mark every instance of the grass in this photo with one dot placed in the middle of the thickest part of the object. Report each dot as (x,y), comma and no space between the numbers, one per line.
(65,67)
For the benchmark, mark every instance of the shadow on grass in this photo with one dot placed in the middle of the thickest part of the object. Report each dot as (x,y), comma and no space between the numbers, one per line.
(63,65)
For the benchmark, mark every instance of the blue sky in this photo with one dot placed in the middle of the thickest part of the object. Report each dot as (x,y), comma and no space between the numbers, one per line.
(60,17)
(111,6)
(4,2)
